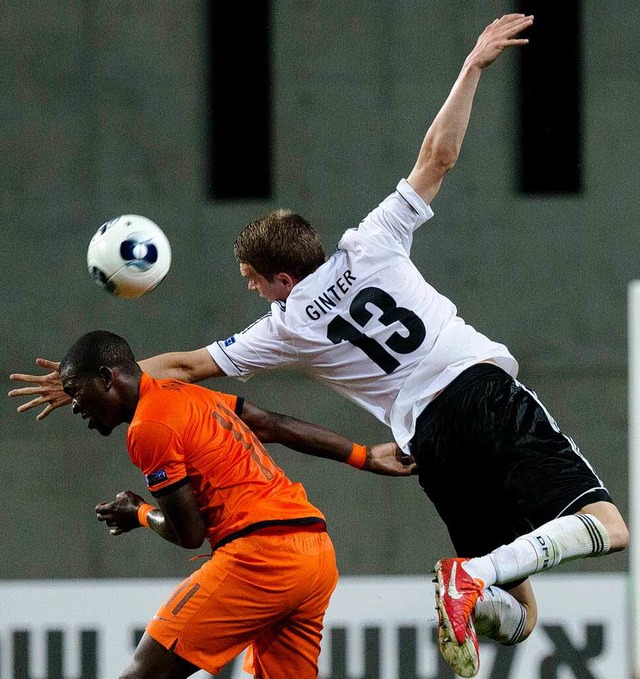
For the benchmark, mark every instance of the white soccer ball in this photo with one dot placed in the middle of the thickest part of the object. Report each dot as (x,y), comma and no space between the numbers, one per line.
(129,256)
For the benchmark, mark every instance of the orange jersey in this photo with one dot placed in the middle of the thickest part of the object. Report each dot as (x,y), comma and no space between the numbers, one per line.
(182,433)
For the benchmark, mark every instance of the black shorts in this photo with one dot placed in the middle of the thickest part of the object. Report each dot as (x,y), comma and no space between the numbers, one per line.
(495,464)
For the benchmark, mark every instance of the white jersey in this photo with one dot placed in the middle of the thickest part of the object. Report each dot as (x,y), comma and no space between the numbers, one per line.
(368,324)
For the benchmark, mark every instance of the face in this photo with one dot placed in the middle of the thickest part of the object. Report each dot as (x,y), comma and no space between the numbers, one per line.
(92,400)
(277,289)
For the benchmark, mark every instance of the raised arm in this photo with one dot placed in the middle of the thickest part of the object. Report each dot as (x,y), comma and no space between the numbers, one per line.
(441,146)
(188,366)
(312,439)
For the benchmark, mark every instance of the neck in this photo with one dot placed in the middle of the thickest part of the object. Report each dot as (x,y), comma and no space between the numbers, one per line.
(130,395)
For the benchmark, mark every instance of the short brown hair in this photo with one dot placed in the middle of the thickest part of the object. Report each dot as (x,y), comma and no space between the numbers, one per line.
(280,242)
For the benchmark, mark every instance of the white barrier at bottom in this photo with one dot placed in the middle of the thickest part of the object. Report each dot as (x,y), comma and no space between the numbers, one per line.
(376,628)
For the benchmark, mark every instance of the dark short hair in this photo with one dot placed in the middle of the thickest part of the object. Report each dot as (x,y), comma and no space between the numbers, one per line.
(280,242)
(96,349)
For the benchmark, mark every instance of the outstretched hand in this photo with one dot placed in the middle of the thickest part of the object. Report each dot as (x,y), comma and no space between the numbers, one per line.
(498,36)
(387,459)
(48,389)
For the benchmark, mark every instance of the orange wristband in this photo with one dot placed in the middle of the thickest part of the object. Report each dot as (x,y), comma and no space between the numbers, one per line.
(143,513)
(358,456)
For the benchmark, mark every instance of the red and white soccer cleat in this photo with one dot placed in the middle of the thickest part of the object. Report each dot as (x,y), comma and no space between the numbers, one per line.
(456,596)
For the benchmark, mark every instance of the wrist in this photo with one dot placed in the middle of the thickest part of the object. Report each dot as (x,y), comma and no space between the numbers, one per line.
(472,67)
(357,457)
(143,513)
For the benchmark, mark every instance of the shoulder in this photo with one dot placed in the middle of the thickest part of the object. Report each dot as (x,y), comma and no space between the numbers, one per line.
(394,219)
(148,439)
(155,393)
(164,404)
(407,196)
(402,207)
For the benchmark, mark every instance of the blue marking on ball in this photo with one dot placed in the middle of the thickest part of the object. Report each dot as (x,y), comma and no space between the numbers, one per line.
(139,253)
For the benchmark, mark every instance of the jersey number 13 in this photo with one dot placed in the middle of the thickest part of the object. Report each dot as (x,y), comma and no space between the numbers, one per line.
(341,330)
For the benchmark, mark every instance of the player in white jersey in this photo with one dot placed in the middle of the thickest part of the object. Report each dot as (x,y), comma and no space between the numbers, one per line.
(365,320)
(515,493)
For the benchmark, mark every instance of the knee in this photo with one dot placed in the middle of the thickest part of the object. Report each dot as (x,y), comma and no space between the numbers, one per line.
(618,532)
(524,596)
(618,536)
(609,516)
(530,621)
(134,672)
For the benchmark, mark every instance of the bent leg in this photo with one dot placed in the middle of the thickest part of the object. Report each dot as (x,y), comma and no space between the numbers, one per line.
(151,660)
(595,530)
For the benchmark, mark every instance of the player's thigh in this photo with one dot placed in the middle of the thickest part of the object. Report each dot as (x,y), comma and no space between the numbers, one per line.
(152,661)
(523,594)
(288,650)
(217,612)
(291,647)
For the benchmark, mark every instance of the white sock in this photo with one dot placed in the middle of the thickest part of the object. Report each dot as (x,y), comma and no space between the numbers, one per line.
(563,539)
(500,616)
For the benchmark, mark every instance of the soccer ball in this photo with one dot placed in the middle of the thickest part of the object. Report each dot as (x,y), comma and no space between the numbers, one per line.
(129,256)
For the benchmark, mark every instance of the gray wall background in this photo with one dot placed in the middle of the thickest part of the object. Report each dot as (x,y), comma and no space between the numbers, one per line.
(103,113)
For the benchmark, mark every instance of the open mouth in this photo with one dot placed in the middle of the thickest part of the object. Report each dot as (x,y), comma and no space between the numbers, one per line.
(86,416)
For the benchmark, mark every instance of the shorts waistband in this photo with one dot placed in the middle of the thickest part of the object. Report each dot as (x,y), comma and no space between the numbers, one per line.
(276,527)
(475,374)
(300,528)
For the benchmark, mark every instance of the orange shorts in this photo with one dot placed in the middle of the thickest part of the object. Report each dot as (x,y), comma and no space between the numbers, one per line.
(268,591)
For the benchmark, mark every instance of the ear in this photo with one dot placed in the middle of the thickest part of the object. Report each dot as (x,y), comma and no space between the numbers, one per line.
(106,375)
(286,280)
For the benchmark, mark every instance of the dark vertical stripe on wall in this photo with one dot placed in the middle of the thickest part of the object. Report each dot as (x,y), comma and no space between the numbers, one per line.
(550,139)
(239,99)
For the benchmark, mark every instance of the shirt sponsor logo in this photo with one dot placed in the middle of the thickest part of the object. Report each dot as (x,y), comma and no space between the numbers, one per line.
(156,477)
(229,341)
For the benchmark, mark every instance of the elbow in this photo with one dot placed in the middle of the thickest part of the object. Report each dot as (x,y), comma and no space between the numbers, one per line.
(191,541)
(188,372)
(442,153)
(268,431)
(198,365)
(188,376)
(444,159)
(431,169)
(192,537)
(262,423)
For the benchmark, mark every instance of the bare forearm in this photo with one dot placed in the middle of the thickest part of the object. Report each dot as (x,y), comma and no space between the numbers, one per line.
(309,438)
(158,523)
(166,366)
(312,439)
(156,520)
(443,141)
(187,366)
(304,437)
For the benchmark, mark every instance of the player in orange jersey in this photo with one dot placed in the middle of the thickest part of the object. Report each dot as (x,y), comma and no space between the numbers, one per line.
(272,570)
